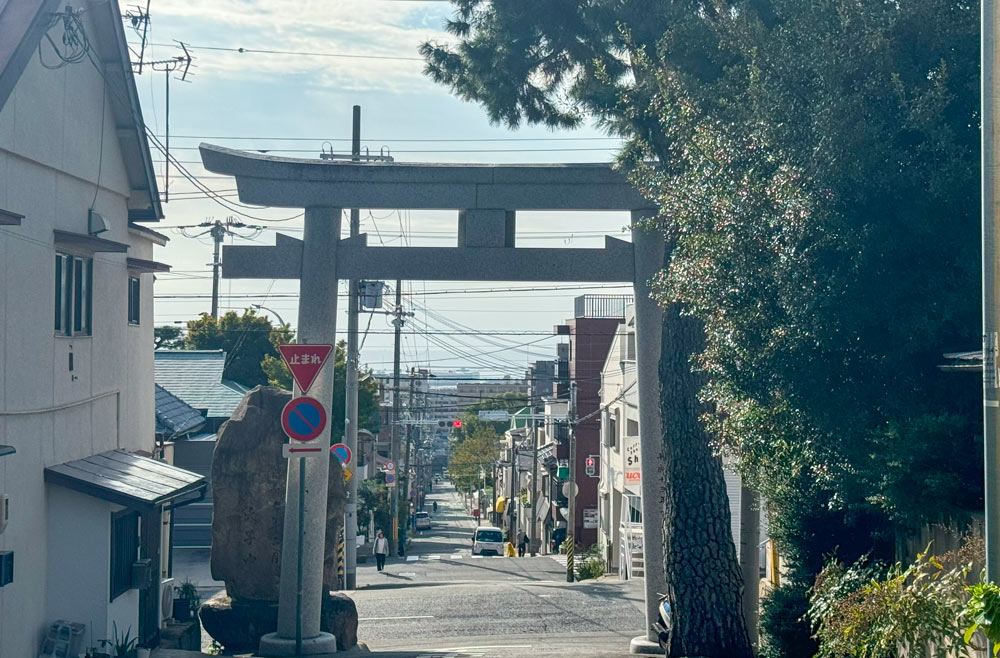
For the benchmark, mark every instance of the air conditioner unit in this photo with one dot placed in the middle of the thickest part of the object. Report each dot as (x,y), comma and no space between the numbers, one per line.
(166,599)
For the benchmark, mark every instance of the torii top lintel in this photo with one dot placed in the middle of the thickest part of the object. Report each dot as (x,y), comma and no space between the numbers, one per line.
(486,196)
(299,183)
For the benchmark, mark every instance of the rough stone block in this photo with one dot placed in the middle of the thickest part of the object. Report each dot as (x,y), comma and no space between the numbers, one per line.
(239,625)
(248,483)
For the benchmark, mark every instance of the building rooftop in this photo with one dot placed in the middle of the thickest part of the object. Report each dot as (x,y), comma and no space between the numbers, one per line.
(195,376)
(175,417)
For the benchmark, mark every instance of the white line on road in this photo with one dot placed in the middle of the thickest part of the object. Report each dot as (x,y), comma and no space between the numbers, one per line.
(395,618)
(412,558)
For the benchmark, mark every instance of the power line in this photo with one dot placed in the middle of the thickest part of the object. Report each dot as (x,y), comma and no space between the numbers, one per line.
(260,51)
(407,139)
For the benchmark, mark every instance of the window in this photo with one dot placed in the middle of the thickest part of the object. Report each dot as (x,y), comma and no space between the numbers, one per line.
(124,550)
(613,430)
(74,294)
(133,300)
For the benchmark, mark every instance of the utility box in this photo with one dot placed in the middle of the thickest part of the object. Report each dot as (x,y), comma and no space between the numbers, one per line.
(370,293)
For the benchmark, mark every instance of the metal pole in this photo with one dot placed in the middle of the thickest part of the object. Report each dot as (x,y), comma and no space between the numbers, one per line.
(394,451)
(406,462)
(166,156)
(218,233)
(534,485)
(512,524)
(750,559)
(991,283)
(351,391)
(571,522)
(298,575)
(649,253)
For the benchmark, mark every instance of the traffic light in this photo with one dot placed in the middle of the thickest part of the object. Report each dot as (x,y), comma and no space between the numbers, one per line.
(448,424)
(591,465)
(457,423)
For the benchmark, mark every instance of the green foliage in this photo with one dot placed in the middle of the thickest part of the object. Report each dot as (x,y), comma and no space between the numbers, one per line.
(246,339)
(168,337)
(983,611)
(374,496)
(589,564)
(474,454)
(785,632)
(123,645)
(189,591)
(818,184)
(868,611)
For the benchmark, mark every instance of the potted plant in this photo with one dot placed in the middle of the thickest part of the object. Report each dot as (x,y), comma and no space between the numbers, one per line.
(186,601)
(122,646)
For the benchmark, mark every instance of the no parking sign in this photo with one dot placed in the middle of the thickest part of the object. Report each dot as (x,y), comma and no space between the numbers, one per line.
(303,419)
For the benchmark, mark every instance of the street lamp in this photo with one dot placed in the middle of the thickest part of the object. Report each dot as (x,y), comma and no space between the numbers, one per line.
(272,311)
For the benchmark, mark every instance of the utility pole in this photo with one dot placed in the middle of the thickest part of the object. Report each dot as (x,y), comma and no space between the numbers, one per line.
(406,457)
(534,485)
(991,283)
(571,494)
(351,389)
(394,451)
(218,232)
(512,526)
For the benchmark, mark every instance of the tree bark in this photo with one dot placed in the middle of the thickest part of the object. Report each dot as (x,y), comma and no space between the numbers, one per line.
(704,584)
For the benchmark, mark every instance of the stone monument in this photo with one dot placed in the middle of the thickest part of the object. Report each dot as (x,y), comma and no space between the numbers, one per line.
(248,490)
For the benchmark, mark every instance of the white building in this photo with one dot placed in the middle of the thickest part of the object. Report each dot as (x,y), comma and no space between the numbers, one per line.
(620,485)
(76,332)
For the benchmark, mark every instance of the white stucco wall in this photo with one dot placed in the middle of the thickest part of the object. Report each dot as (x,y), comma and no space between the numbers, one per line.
(50,147)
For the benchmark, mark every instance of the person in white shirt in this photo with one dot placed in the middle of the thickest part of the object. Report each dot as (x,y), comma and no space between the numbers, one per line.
(381,550)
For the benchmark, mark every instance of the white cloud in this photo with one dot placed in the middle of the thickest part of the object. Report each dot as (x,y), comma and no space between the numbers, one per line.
(363,28)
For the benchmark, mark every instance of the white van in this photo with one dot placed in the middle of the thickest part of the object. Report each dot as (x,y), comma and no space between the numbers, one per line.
(487,540)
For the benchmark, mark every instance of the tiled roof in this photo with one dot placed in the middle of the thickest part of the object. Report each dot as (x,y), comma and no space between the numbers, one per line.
(174,416)
(195,376)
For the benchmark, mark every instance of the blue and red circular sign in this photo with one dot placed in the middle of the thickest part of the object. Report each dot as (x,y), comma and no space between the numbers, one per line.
(342,452)
(303,419)
(390,478)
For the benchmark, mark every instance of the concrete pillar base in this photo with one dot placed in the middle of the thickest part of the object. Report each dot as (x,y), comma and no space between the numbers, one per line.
(273,646)
(643,646)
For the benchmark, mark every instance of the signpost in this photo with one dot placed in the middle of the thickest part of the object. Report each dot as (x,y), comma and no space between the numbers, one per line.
(496,415)
(390,479)
(289,451)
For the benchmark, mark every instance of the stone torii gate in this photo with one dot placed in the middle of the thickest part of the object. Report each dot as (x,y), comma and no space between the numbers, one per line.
(487,198)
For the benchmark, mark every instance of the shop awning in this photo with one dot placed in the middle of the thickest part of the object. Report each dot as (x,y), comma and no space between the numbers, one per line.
(127,479)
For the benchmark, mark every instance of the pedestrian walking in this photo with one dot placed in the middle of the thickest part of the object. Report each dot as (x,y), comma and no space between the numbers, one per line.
(522,543)
(381,550)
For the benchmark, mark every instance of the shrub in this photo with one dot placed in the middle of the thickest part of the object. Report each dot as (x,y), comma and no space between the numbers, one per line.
(589,564)
(869,611)
(784,629)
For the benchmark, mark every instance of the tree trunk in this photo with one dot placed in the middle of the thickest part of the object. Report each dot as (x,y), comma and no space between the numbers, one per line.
(704,584)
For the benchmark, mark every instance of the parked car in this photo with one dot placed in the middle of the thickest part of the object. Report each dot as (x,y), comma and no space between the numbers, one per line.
(487,540)
(558,536)
(422,521)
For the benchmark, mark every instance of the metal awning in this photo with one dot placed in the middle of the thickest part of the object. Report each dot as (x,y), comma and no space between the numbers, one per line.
(127,479)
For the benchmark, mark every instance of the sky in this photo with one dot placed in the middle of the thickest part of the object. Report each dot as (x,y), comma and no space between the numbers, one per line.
(296,100)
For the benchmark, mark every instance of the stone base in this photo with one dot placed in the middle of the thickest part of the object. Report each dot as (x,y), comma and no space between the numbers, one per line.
(239,626)
(272,645)
(643,646)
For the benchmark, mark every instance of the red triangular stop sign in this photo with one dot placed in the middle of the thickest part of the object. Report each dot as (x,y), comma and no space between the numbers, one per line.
(305,362)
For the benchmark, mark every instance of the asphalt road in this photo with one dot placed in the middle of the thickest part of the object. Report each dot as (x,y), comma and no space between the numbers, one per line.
(441,601)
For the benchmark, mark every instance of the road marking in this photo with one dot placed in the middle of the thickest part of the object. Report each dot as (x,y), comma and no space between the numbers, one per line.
(456,556)
(408,574)
(412,558)
(432,557)
(545,596)
(395,618)
(478,557)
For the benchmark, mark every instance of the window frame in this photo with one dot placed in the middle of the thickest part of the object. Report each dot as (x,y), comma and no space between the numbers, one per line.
(134,300)
(73,301)
(125,542)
